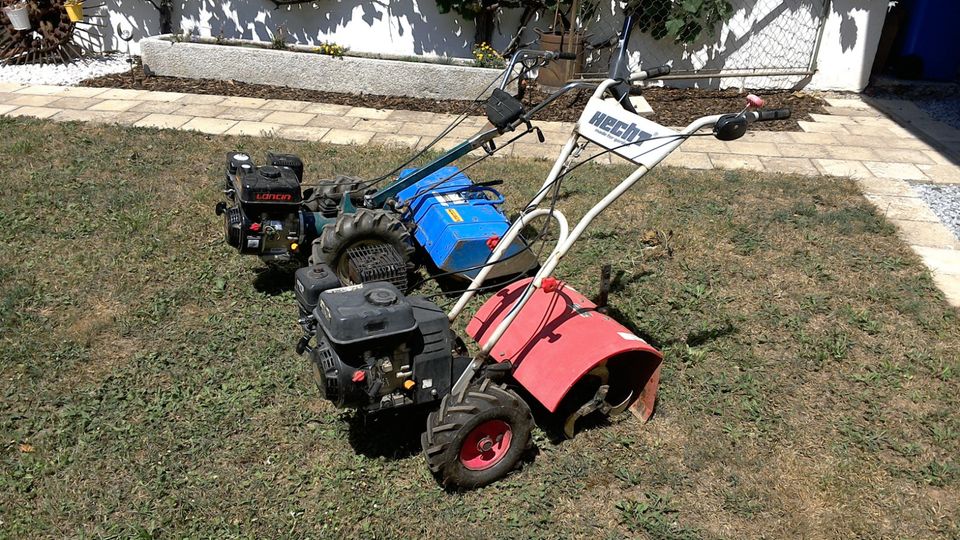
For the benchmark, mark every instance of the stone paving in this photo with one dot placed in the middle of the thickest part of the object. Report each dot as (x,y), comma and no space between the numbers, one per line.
(854,140)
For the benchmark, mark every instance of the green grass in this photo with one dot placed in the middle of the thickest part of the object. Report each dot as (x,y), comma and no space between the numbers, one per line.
(150,387)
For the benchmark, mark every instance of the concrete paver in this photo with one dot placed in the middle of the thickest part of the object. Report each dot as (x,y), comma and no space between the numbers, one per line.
(122,93)
(950,286)
(249,115)
(82,91)
(36,112)
(158,120)
(201,99)
(367,112)
(899,171)
(257,129)
(114,105)
(162,96)
(74,103)
(842,167)
(944,261)
(285,105)
(390,139)
(905,208)
(302,133)
(380,126)
(871,185)
(941,174)
(195,109)
(803,150)
(925,234)
(329,121)
(289,118)
(791,165)
(730,161)
(32,100)
(755,148)
(329,109)
(11,87)
(214,126)
(348,136)
(164,107)
(857,153)
(689,160)
(40,90)
(243,102)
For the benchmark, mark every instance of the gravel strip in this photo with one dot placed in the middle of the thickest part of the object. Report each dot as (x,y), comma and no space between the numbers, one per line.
(65,75)
(943,110)
(944,200)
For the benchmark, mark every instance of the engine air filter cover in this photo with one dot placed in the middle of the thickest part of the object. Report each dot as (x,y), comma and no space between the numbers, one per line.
(355,313)
(377,262)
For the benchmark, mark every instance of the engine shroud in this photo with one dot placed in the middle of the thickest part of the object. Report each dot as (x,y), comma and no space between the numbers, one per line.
(265,217)
(376,348)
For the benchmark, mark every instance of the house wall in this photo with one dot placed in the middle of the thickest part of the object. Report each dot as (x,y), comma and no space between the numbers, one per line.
(762,33)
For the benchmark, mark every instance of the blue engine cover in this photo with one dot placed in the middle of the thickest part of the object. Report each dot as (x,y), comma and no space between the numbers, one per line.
(455,220)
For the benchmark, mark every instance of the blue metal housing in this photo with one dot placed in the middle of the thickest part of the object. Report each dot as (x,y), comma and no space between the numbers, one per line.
(455,219)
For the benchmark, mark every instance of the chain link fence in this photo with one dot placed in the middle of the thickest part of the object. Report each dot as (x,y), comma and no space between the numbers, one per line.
(765,44)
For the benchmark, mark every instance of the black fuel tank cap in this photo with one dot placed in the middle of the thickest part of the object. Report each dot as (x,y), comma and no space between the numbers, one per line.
(269,171)
(381,297)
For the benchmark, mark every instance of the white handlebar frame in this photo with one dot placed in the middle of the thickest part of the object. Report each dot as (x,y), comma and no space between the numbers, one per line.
(566,237)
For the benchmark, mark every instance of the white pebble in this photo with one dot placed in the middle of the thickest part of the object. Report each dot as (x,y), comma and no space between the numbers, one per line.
(64,75)
(944,200)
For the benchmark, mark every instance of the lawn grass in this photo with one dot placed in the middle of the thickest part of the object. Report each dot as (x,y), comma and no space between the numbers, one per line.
(150,387)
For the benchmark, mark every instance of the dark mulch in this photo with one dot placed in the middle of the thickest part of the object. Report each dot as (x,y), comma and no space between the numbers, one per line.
(672,106)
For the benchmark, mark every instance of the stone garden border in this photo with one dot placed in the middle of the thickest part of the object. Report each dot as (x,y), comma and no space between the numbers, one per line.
(254,62)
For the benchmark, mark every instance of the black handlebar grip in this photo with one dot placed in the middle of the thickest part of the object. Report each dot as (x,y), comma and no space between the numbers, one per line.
(658,71)
(567,56)
(774,114)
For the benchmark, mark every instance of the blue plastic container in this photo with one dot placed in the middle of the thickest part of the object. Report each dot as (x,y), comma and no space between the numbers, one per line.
(456,219)
(930,35)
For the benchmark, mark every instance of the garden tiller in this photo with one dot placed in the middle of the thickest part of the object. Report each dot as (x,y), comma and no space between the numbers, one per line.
(364,233)
(540,342)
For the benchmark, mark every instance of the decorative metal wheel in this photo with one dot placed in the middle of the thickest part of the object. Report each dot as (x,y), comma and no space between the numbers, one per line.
(52,38)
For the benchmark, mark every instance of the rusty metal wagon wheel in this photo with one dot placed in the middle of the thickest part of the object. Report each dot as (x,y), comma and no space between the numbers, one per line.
(52,38)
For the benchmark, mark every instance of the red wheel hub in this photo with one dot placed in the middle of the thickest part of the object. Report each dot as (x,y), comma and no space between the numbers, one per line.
(486,445)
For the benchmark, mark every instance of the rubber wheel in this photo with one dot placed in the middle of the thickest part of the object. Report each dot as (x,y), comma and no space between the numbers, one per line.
(363,227)
(333,189)
(477,437)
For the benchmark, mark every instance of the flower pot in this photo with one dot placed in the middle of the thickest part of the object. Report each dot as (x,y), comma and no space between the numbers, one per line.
(74,10)
(19,15)
(558,72)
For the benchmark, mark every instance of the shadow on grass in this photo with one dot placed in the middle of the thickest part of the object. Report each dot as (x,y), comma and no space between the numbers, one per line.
(388,434)
(274,280)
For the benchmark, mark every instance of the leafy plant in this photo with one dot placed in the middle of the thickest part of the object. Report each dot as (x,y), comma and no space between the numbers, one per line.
(684,20)
(330,48)
(279,39)
(485,56)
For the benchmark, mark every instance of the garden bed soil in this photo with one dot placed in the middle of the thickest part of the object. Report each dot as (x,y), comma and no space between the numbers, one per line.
(671,106)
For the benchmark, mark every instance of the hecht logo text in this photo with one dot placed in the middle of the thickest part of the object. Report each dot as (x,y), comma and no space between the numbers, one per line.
(618,128)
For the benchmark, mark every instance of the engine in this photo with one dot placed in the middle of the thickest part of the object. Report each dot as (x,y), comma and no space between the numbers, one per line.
(374,348)
(263,214)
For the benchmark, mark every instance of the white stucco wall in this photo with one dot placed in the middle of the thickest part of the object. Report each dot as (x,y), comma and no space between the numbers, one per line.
(761,33)
(849,45)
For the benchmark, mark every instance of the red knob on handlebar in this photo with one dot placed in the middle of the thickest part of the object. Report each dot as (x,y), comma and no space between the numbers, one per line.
(755,101)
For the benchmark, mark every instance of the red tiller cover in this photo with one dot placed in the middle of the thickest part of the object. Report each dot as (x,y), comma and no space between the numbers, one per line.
(559,337)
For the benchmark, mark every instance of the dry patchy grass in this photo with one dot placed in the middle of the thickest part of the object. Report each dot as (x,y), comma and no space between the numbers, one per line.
(810,385)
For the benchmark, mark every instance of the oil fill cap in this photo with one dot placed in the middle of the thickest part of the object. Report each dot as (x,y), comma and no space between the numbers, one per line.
(381,297)
(269,171)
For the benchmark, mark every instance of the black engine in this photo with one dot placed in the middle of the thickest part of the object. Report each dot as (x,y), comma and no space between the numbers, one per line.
(264,218)
(375,348)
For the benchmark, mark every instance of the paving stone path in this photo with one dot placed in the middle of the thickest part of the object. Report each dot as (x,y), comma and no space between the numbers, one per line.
(854,140)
